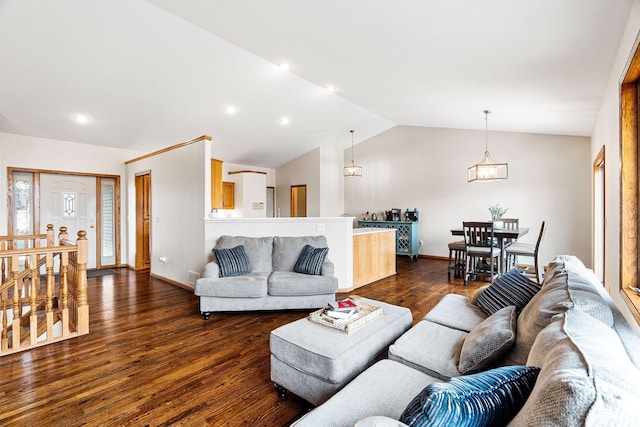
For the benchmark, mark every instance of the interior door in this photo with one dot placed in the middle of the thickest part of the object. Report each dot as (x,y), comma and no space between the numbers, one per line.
(299,200)
(70,201)
(143,221)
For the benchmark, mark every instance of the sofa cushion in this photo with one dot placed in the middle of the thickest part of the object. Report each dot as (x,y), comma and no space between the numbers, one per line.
(286,250)
(288,283)
(232,261)
(484,399)
(384,389)
(488,341)
(586,376)
(431,348)
(310,260)
(379,421)
(252,285)
(455,311)
(258,250)
(511,288)
(562,292)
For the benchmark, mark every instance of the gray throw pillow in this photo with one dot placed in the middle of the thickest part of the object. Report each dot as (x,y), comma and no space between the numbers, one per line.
(488,341)
(232,261)
(310,260)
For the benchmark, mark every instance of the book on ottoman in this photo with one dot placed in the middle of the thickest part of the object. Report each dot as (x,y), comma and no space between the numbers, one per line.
(346,304)
(363,314)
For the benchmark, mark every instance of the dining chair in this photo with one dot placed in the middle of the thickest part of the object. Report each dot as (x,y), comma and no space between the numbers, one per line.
(517,250)
(510,224)
(483,257)
(457,258)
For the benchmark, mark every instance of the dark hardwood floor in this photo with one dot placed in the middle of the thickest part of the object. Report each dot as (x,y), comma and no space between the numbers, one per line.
(150,360)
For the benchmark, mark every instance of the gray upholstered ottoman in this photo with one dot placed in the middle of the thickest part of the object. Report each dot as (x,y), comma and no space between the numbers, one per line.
(315,361)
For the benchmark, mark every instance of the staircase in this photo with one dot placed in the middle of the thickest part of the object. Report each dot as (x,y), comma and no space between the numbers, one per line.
(35,308)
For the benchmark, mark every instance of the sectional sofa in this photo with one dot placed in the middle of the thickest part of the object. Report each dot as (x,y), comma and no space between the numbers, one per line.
(561,354)
(267,273)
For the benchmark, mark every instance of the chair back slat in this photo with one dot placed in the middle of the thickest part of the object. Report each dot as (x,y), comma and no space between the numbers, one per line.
(478,234)
(511,223)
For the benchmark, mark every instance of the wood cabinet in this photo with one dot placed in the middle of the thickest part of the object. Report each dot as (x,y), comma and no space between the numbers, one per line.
(216,184)
(374,255)
(228,195)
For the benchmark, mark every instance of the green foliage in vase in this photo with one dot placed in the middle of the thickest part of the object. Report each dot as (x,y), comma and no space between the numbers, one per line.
(497,212)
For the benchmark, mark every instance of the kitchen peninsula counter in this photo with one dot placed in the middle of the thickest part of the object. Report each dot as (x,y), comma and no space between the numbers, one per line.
(374,255)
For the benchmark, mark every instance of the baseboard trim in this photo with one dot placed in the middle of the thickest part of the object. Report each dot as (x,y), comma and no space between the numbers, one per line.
(438,257)
(173,282)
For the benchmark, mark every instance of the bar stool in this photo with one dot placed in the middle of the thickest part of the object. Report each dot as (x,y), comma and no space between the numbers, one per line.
(457,258)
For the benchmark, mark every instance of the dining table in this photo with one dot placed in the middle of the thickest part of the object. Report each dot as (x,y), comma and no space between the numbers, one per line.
(501,235)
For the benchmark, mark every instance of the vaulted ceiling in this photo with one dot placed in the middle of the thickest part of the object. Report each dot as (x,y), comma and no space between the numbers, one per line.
(149,74)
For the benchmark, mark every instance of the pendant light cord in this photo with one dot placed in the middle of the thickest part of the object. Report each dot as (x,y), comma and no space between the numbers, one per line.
(486,131)
(352,162)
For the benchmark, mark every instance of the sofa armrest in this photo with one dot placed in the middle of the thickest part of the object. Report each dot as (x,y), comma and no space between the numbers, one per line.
(379,421)
(328,268)
(211,269)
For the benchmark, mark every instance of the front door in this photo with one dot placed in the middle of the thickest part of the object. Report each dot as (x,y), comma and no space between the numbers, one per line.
(70,201)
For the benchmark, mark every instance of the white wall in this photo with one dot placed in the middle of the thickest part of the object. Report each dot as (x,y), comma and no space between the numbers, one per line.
(607,134)
(180,199)
(303,170)
(251,192)
(50,154)
(331,181)
(425,168)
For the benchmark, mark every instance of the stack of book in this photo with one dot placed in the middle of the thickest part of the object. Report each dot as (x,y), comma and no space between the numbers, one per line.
(343,309)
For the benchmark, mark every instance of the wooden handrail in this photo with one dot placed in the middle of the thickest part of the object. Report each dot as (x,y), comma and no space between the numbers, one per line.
(30,306)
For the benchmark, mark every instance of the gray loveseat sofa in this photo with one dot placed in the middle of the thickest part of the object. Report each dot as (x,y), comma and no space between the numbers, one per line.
(587,355)
(270,282)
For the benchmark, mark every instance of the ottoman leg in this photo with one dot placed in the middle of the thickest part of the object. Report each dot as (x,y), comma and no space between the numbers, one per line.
(282,392)
(205,315)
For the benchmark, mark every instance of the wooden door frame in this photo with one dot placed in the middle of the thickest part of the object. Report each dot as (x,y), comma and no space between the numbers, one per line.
(140,200)
(599,163)
(291,207)
(36,204)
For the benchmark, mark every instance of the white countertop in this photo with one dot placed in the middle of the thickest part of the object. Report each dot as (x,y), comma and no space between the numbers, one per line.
(370,230)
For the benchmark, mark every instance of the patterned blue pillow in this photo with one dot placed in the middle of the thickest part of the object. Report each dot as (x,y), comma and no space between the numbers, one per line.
(310,260)
(490,398)
(232,261)
(511,288)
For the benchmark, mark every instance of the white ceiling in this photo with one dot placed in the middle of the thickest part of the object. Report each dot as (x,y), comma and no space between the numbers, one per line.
(150,74)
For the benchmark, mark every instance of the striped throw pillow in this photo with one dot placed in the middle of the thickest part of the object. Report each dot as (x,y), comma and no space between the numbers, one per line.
(310,260)
(490,398)
(232,261)
(511,288)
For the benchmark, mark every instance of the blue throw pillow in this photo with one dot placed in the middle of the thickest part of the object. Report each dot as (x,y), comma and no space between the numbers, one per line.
(511,288)
(490,398)
(310,260)
(232,261)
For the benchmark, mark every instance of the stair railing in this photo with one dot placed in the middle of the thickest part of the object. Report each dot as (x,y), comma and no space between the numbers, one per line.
(32,303)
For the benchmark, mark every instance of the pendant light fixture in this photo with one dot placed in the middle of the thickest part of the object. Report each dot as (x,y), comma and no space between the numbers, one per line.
(352,170)
(488,169)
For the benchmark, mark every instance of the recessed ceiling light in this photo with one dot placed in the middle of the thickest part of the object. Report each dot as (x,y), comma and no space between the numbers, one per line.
(330,88)
(285,66)
(230,109)
(79,118)
(284,120)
